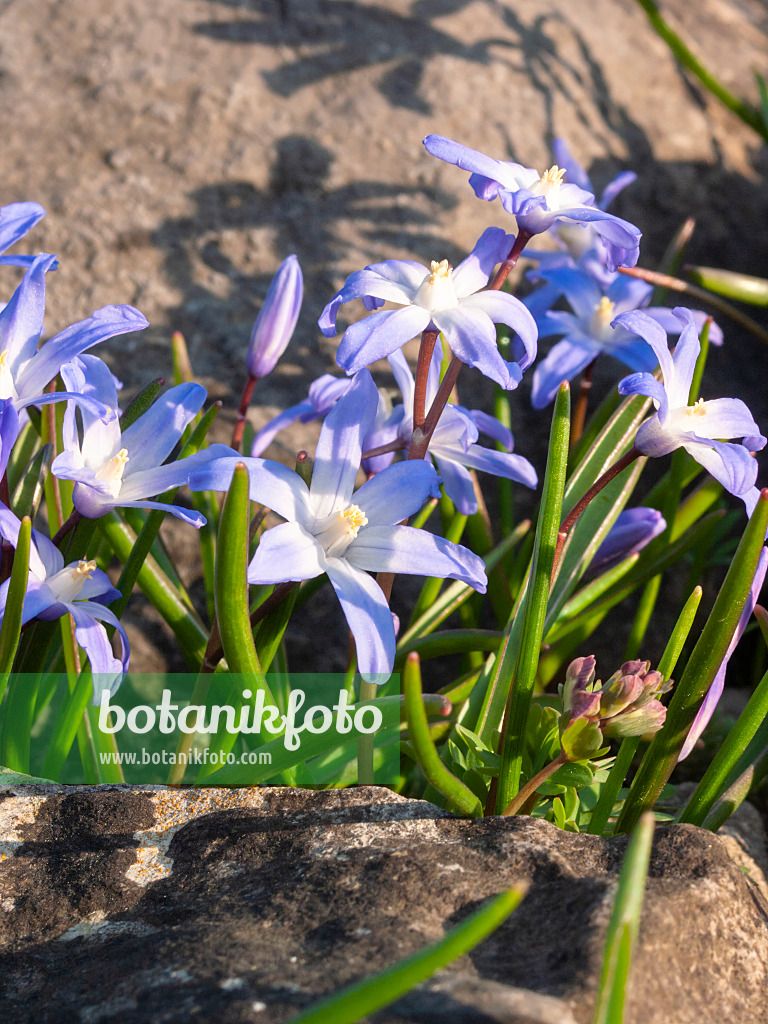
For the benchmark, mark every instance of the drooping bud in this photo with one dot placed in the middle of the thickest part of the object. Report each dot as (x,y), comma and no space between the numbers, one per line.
(633,529)
(636,721)
(579,675)
(276,320)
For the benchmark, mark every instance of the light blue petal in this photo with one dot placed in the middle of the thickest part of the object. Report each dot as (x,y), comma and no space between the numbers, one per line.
(108,322)
(730,464)
(92,637)
(492,427)
(505,464)
(272,428)
(287,552)
(16,219)
(472,273)
(158,479)
(473,161)
(506,309)
(457,483)
(270,483)
(337,458)
(646,384)
(21,321)
(563,361)
(397,492)
(369,618)
(9,432)
(639,323)
(152,437)
(379,335)
(394,285)
(472,338)
(403,549)
(90,377)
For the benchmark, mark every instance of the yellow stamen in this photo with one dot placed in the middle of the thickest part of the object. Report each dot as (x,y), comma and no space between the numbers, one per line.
(84,569)
(554,176)
(355,517)
(112,471)
(697,409)
(441,269)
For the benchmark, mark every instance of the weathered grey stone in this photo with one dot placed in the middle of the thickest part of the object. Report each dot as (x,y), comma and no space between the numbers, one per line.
(156,905)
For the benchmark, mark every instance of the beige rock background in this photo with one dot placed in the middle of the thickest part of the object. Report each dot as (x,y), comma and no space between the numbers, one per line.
(184,147)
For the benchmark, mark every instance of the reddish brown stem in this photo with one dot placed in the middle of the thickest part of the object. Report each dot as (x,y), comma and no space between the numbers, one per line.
(384,449)
(580,412)
(66,527)
(242,412)
(529,789)
(427,347)
(578,508)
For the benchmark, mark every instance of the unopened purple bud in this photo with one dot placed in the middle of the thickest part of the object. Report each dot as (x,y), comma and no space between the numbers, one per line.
(276,320)
(584,704)
(578,676)
(633,529)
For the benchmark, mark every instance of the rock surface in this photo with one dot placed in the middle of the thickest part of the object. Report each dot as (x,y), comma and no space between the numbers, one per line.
(184,148)
(152,905)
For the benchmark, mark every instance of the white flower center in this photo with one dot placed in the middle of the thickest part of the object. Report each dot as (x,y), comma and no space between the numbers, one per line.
(549,184)
(67,584)
(436,290)
(601,319)
(112,472)
(7,389)
(340,529)
(697,409)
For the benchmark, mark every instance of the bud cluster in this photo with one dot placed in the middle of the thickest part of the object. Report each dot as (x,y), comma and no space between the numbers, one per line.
(626,705)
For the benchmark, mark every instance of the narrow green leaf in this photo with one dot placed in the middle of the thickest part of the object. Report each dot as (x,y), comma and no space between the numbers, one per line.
(159,590)
(230,584)
(28,493)
(623,925)
(731,285)
(458,796)
(715,778)
(142,402)
(663,752)
(521,665)
(365,997)
(14,604)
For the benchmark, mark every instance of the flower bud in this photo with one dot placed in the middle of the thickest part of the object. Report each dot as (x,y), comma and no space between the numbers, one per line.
(579,675)
(276,320)
(633,529)
(636,721)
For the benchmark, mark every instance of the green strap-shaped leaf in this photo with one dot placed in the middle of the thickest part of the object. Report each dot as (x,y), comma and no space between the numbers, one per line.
(521,664)
(661,756)
(458,796)
(365,997)
(14,604)
(230,583)
(623,925)
(715,778)
(450,641)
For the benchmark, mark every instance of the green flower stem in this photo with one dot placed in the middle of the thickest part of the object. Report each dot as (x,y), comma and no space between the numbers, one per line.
(365,743)
(159,590)
(459,797)
(11,627)
(365,997)
(521,663)
(231,585)
(662,754)
(749,115)
(715,778)
(742,287)
(529,789)
(570,520)
(65,730)
(623,925)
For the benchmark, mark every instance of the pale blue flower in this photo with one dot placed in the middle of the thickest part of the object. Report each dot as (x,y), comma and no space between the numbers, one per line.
(590,330)
(453,443)
(633,530)
(331,530)
(112,468)
(697,428)
(540,201)
(454,302)
(25,368)
(78,589)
